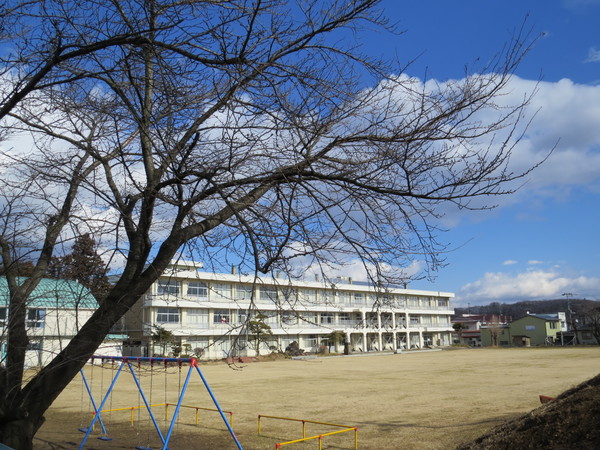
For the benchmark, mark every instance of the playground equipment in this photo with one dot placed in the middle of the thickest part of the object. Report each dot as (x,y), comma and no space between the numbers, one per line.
(133,409)
(127,362)
(320,437)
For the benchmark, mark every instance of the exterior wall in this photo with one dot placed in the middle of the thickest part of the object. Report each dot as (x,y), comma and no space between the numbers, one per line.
(529,330)
(585,336)
(56,311)
(207,313)
(540,331)
(49,331)
(504,337)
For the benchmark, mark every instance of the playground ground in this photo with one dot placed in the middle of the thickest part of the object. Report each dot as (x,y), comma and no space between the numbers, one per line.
(428,400)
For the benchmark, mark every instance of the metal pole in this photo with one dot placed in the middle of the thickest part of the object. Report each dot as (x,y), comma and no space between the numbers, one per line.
(87,387)
(177,408)
(218,407)
(141,391)
(101,407)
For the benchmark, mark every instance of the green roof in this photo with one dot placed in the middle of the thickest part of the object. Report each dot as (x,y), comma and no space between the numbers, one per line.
(50,293)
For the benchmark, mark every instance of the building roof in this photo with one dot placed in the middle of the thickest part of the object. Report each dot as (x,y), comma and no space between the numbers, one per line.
(339,284)
(50,293)
(546,317)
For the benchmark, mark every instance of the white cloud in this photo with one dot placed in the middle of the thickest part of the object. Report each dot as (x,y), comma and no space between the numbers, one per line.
(534,262)
(509,262)
(565,119)
(531,285)
(593,55)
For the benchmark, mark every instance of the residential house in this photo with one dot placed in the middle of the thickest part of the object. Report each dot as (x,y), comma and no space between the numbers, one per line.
(469,330)
(585,335)
(531,330)
(56,310)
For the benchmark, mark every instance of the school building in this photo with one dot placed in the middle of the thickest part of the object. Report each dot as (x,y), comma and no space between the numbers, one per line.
(210,315)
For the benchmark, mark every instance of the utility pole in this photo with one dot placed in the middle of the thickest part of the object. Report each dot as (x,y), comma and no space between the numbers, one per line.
(568,296)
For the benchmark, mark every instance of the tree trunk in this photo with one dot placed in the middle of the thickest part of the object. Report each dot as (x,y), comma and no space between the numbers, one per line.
(18,434)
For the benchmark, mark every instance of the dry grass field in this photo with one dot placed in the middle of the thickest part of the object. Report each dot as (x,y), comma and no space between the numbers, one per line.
(428,400)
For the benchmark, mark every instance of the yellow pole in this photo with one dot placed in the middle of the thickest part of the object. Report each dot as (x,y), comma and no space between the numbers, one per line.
(355,438)
(259,424)
(303,429)
(196,416)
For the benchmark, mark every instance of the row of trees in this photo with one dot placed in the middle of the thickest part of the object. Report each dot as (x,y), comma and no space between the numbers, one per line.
(253,132)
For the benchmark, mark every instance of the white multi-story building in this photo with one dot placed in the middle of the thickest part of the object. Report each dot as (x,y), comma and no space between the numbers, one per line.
(208,314)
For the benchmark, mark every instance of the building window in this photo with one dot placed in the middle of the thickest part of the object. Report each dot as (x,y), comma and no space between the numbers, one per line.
(268,294)
(399,301)
(198,345)
(310,341)
(289,318)
(326,297)
(309,318)
(168,287)
(197,289)
(344,319)
(372,299)
(327,318)
(414,320)
(344,298)
(223,291)
(36,317)
(242,316)
(359,298)
(243,291)
(553,325)
(167,315)
(34,346)
(197,317)
(2,317)
(289,294)
(270,318)
(309,295)
(221,316)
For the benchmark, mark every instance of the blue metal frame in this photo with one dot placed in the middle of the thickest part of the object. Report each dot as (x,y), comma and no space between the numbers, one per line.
(127,361)
(89,391)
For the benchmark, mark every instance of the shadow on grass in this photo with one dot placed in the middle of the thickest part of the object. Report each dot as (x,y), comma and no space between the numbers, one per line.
(388,426)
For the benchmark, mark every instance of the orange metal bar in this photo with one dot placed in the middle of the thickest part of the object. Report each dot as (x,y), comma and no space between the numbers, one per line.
(204,409)
(304,438)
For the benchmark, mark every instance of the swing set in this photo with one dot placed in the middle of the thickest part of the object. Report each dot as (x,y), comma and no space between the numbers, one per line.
(126,362)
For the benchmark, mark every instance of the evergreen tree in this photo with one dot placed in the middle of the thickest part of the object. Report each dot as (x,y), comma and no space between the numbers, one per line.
(83,265)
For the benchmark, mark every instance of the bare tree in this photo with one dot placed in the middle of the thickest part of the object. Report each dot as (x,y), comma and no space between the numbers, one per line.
(592,318)
(233,130)
(495,329)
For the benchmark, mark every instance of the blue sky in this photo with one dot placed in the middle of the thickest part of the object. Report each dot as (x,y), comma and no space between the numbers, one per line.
(543,241)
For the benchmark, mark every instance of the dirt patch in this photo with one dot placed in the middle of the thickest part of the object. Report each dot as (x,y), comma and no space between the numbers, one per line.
(570,421)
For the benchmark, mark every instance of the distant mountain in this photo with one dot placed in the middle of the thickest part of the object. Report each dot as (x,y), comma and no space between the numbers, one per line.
(574,308)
